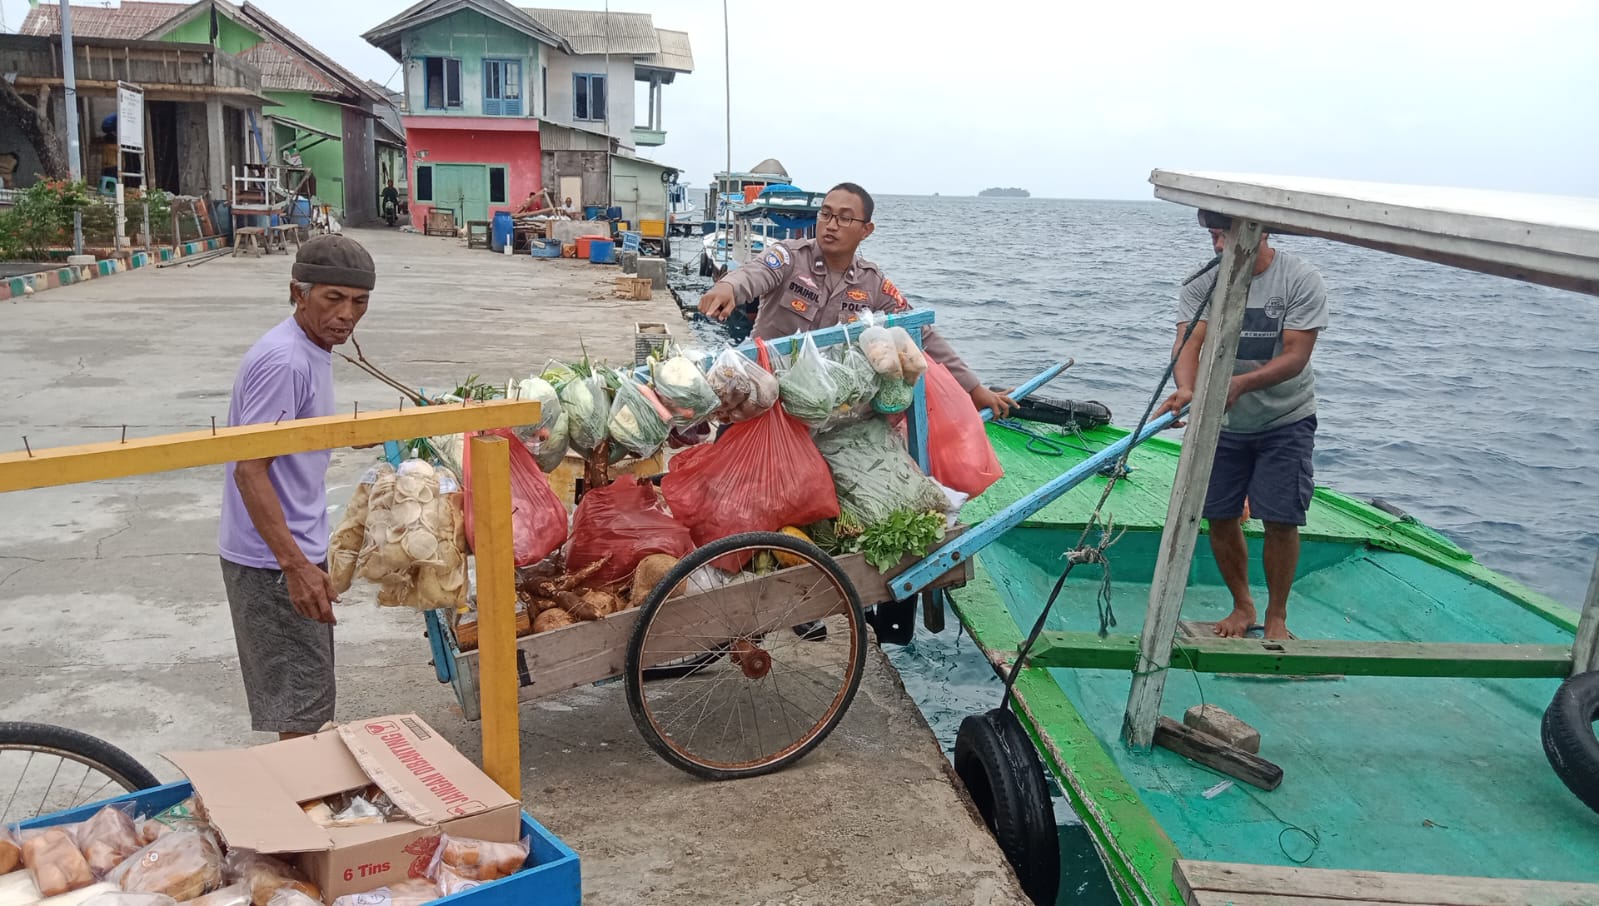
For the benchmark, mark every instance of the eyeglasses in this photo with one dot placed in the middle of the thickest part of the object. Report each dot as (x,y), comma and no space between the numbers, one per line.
(843,220)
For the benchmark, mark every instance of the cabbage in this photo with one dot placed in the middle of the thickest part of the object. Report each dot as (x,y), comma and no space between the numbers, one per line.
(685,391)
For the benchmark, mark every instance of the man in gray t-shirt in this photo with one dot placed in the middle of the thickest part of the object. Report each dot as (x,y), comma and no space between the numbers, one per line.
(1263,459)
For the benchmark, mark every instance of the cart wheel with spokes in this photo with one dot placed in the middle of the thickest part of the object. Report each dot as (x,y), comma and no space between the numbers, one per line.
(45,769)
(766,686)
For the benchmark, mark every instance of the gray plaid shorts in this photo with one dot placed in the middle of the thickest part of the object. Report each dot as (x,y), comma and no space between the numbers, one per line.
(286,659)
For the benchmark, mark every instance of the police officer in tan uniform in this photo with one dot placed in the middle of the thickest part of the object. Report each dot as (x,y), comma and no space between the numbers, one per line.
(809,284)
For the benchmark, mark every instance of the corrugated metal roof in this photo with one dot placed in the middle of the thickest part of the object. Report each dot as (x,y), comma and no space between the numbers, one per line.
(675,53)
(130,21)
(284,70)
(592,32)
(303,48)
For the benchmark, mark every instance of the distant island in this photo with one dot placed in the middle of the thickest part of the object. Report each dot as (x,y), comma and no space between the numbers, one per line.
(1010,192)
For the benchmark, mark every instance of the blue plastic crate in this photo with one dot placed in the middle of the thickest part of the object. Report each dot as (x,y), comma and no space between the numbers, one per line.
(554,880)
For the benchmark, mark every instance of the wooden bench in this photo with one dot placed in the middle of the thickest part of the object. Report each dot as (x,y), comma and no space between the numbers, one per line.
(249,241)
(1217,883)
(280,235)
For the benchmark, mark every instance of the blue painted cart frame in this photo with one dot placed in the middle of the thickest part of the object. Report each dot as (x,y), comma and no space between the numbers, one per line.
(553,876)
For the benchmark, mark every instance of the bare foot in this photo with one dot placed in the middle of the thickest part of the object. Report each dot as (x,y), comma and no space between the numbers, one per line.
(1277,627)
(1238,622)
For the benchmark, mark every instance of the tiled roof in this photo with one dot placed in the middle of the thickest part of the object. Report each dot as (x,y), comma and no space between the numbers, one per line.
(675,53)
(284,70)
(591,32)
(130,21)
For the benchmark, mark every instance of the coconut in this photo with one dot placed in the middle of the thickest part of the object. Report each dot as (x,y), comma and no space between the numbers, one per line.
(554,618)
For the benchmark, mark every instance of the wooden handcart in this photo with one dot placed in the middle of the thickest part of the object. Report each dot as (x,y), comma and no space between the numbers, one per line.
(747,654)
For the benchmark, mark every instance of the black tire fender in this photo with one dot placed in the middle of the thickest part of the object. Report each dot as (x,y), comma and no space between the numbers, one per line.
(995,759)
(1569,740)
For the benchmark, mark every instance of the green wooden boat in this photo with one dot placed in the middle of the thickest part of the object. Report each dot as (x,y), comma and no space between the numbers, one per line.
(1405,716)
(1432,775)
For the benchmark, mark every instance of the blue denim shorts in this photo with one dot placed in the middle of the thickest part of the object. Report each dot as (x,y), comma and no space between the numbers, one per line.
(1272,469)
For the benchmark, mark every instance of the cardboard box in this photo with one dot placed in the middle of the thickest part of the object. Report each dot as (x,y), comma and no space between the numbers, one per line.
(252,797)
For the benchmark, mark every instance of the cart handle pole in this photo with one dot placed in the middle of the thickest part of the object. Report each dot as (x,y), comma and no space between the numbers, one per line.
(496,612)
(930,568)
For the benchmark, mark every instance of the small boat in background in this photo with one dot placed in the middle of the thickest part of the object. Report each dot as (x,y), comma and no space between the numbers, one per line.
(752,209)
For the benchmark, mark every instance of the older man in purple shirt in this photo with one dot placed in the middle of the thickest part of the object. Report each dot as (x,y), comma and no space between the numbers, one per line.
(273,537)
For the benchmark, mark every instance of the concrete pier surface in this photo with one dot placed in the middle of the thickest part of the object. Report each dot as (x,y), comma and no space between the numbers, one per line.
(117,624)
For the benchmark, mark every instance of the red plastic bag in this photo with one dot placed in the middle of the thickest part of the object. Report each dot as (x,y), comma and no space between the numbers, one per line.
(538,520)
(625,522)
(957,444)
(761,475)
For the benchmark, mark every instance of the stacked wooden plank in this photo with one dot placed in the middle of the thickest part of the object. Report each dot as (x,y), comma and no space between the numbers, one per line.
(1234,884)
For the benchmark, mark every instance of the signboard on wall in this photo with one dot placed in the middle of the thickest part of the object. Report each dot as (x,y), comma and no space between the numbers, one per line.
(130,117)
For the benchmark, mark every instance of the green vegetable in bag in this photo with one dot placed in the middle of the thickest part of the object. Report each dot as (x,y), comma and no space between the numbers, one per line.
(553,450)
(684,390)
(588,407)
(807,388)
(893,395)
(540,391)
(874,475)
(638,423)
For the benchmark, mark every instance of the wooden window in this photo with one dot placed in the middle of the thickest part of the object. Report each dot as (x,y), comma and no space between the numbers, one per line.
(588,96)
(502,88)
(443,82)
(497,185)
(424,183)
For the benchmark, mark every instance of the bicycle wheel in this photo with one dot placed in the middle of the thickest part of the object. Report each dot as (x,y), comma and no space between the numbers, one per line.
(46,769)
(766,686)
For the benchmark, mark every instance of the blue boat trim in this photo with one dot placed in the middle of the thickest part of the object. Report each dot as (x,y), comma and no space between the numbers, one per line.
(941,561)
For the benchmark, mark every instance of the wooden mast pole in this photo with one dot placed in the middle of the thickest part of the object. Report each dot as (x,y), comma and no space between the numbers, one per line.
(1181,534)
(1585,653)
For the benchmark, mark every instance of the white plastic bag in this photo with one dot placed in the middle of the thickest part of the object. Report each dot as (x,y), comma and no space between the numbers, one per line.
(744,388)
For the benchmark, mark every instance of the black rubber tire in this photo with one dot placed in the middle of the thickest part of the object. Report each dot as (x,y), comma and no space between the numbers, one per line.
(80,747)
(636,676)
(1569,739)
(996,761)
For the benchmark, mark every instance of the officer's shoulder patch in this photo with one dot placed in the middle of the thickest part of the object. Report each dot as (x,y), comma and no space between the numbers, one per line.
(777,257)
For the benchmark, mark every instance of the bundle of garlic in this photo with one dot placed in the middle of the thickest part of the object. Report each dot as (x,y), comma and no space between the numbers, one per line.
(414,546)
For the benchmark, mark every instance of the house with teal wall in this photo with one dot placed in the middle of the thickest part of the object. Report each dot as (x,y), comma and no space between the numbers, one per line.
(483,78)
(320,117)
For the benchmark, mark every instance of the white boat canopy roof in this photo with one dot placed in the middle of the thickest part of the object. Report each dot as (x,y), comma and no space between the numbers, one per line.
(1552,240)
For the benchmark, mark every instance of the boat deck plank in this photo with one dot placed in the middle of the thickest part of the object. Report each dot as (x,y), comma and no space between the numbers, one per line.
(1217,883)
(1408,774)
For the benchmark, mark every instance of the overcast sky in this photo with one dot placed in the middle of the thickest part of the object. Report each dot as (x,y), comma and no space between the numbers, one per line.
(1082,100)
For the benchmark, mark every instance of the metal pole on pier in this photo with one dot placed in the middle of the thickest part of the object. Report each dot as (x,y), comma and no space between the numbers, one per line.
(69,84)
(727,76)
